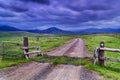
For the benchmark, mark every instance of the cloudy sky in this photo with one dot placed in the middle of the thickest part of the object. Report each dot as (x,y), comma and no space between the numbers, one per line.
(64,14)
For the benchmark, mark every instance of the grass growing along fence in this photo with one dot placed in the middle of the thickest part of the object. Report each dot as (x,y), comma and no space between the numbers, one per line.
(111,69)
(55,60)
(46,44)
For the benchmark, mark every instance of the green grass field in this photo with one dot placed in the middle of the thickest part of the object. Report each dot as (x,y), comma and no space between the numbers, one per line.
(111,70)
(45,43)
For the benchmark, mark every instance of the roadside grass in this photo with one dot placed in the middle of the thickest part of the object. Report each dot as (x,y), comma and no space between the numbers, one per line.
(45,43)
(55,60)
(12,62)
(111,69)
(16,34)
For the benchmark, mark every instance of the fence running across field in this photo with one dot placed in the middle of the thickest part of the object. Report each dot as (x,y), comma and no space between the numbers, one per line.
(10,49)
(99,54)
(17,50)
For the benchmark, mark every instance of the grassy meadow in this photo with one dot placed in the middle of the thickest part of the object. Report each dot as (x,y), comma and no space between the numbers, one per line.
(46,43)
(111,70)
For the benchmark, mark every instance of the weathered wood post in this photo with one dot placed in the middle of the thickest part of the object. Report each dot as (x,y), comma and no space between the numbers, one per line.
(101,54)
(25,44)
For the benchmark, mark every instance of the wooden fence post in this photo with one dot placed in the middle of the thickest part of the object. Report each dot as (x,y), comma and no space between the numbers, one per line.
(101,54)
(25,44)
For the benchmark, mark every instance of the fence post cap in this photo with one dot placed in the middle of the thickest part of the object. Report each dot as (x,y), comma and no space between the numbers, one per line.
(102,44)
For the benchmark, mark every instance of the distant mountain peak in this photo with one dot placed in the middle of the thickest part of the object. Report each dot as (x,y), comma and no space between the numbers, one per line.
(53,28)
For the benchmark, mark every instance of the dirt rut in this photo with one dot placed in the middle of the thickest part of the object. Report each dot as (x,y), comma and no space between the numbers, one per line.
(44,71)
(69,72)
(75,48)
(26,72)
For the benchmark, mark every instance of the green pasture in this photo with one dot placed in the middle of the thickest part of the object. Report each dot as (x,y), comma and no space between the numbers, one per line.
(46,44)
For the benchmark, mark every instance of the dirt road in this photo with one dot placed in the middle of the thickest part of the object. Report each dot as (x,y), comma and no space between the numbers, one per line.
(70,72)
(76,48)
(45,71)
(26,72)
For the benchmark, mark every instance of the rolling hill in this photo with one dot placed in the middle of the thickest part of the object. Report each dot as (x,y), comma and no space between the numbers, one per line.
(16,34)
(54,30)
(97,31)
(8,28)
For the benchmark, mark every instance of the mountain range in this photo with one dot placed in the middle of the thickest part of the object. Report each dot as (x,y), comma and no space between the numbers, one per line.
(8,28)
(54,30)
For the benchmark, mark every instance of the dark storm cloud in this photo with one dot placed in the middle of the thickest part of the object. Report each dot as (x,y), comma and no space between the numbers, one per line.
(2,5)
(93,10)
(18,8)
(89,7)
(98,8)
(47,2)
(4,14)
(14,7)
(61,12)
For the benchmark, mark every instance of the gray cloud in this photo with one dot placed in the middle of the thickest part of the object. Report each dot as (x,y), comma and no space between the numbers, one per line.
(2,14)
(6,13)
(46,2)
(60,12)
(18,8)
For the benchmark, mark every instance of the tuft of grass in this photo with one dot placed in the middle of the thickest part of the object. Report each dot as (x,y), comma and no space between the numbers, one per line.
(12,62)
(60,60)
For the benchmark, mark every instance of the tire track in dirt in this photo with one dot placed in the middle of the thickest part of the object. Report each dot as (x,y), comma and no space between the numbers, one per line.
(75,48)
(44,71)
(61,50)
(78,50)
(70,72)
(26,72)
